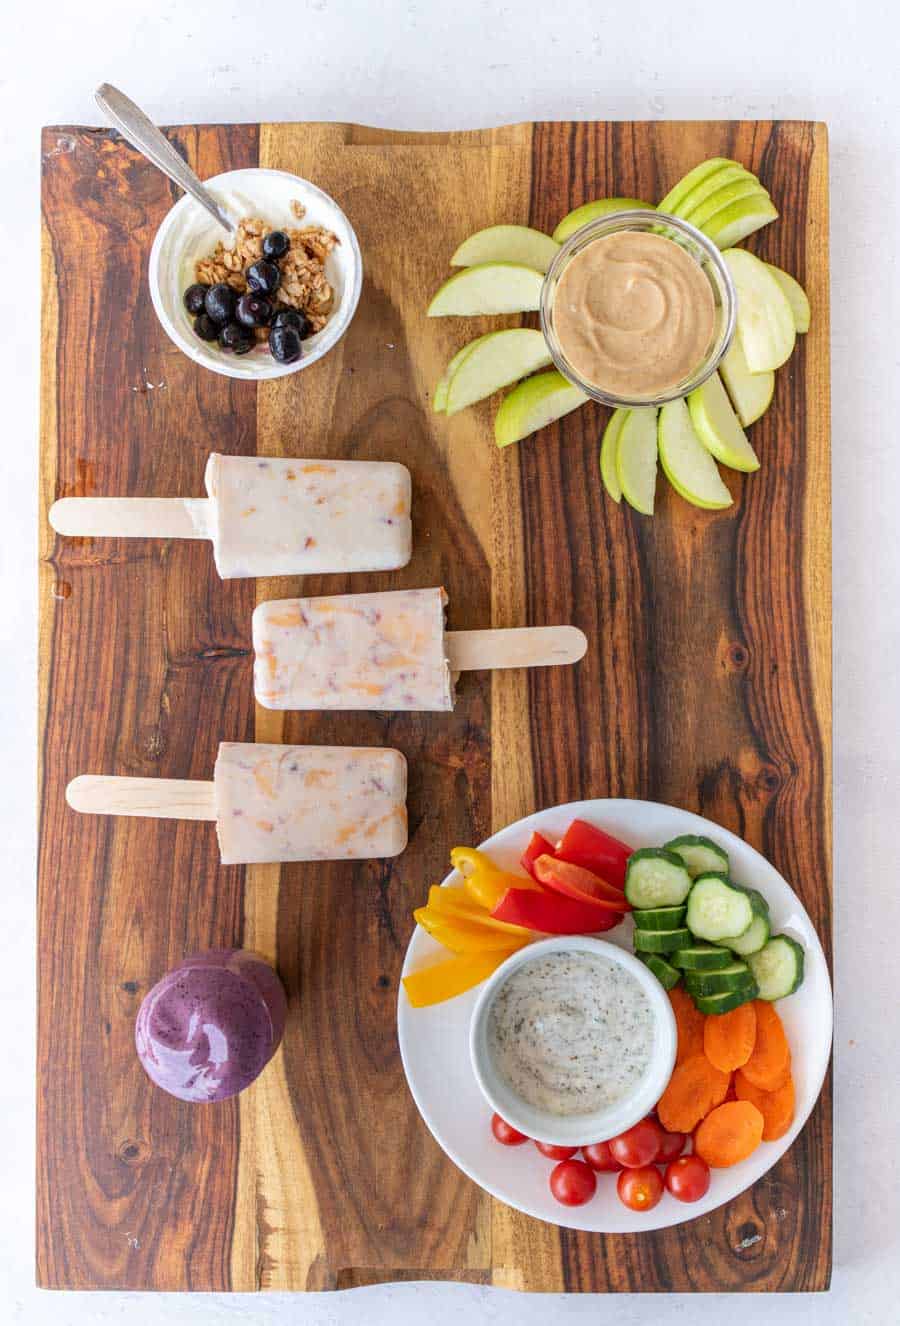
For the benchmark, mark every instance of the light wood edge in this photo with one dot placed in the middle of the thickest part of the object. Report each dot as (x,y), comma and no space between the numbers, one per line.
(278,1237)
(817,591)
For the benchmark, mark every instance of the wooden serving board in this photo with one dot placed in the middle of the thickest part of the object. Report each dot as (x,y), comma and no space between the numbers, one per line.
(706,685)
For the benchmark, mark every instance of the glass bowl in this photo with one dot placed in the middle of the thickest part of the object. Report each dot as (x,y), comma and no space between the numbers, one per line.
(694,243)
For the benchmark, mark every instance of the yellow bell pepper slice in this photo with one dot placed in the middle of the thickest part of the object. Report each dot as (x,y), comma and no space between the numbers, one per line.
(446,980)
(462,936)
(457,903)
(488,887)
(468,859)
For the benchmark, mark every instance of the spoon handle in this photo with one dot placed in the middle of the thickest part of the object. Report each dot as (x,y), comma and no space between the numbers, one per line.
(143,134)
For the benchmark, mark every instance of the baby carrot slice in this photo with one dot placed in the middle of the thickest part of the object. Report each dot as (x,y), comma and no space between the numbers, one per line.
(695,1088)
(729,1134)
(769,1066)
(729,1038)
(689,1022)
(776,1107)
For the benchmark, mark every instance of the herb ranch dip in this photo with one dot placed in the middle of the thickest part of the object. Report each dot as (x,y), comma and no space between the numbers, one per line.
(571,1032)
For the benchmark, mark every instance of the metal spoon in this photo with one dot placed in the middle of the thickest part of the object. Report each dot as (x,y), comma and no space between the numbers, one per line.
(143,134)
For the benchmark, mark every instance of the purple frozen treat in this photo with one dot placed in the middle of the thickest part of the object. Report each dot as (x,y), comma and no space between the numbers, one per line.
(210,1026)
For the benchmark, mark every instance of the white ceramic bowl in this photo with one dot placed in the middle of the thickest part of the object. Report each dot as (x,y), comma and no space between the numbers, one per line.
(188,232)
(575,1129)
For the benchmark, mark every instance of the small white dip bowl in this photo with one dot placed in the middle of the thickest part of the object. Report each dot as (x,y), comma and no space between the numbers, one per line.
(574,1129)
(188,232)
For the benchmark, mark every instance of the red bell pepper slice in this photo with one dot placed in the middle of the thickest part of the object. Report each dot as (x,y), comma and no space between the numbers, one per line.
(585,845)
(539,846)
(576,882)
(554,915)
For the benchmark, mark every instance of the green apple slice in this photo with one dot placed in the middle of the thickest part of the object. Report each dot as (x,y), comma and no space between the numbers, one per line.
(636,459)
(748,187)
(719,428)
(609,452)
(712,184)
(751,393)
(732,224)
(493,287)
(534,403)
(439,400)
(795,295)
(686,463)
(765,323)
(520,244)
(591,211)
(499,358)
(698,175)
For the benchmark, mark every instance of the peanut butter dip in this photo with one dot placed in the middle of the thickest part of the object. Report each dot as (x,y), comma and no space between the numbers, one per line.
(634,314)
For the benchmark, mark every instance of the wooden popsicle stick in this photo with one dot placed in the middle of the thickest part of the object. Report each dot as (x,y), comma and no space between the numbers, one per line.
(154,798)
(133,517)
(519,647)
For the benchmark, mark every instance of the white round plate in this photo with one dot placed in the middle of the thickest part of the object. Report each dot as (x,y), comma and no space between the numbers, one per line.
(434,1042)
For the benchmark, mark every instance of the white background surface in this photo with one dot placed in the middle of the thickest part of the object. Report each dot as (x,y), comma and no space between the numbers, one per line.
(411,63)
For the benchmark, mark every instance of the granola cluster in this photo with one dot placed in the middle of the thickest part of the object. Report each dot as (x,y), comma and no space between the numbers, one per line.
(304,285)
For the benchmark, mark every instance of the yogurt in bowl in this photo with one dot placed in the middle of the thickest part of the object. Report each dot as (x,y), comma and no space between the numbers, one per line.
(572,1040)
(189,233)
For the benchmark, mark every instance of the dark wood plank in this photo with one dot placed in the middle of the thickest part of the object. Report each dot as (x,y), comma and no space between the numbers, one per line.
(143,670)
(707,687)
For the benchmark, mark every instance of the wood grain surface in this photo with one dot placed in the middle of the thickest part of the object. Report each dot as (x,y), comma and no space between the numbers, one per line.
(706,684)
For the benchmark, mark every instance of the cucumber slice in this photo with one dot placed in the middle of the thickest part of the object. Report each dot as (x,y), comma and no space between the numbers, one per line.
(777,967)
(724,1003)
(699,854)
(659,918)
(737,976)
(656,878)
(716,908)
(661,941)
(752,940)
(703,957)
(667,976)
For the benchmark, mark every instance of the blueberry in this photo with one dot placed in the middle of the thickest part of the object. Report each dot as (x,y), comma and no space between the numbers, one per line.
(292,317)
(235,337)
(194,298)
(254,310)
(205,328)
(220,301)
(264,277)
(285,344)
(276,244)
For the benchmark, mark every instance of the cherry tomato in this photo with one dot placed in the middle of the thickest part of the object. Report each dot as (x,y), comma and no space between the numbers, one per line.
(639,1145)
(505,1133)
(640,1189)
(671,1147)
(598,1156)
(687,1178)
(556,1152)
(573,1183)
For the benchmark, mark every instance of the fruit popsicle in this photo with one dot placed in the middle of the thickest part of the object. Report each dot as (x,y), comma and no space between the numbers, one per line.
(293,517)
(353,651)
(274,803)
(386,651)
(309,803)
(269,516)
